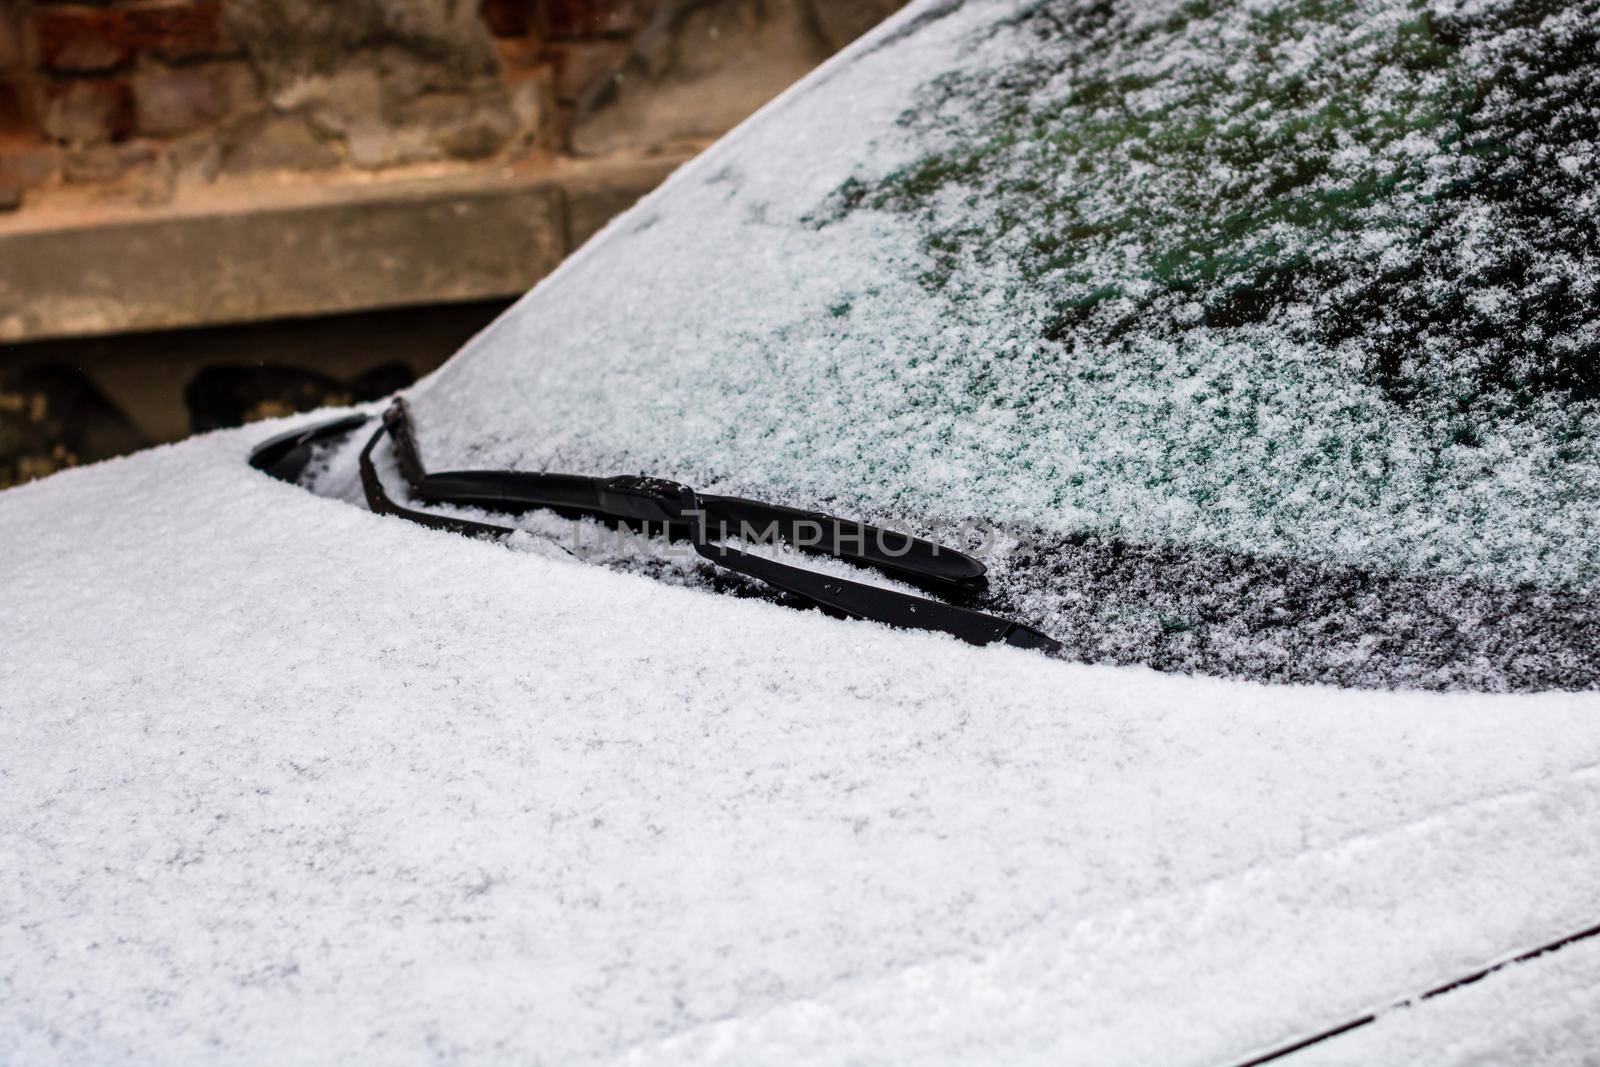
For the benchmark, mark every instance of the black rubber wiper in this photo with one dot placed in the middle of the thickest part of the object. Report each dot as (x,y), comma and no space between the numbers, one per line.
(705,519)
(286,455)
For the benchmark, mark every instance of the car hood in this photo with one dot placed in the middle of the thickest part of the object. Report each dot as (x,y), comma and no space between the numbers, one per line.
(284,779)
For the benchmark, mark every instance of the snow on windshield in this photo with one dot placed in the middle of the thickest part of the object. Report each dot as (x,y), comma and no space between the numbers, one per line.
(1267,331)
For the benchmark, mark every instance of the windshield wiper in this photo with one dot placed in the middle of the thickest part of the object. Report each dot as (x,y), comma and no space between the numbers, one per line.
(706,520)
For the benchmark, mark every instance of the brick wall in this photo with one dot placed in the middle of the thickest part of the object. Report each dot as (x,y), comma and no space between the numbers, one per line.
(95,91)
(149,94)
(89,79)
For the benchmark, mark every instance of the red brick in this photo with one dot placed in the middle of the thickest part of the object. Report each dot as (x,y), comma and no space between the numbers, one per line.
(172,102)
(179,31)
(14,107)
(506,18)
(519,56)
(11,53)
(28,165)
(81,39)
(568,19)
(84,111)
(102,163)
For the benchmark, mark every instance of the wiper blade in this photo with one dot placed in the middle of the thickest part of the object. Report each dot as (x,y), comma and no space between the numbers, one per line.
(896,554)
(706,519)
(632,499)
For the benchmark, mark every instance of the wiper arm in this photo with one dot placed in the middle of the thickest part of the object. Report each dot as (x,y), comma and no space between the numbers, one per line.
(706,520)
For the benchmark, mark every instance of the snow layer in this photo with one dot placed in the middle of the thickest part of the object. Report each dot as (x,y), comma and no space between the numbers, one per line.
(282,780)
(1182,294)
(1545,1012)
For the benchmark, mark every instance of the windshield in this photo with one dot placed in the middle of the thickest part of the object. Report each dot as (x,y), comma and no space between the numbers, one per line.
(1264,334)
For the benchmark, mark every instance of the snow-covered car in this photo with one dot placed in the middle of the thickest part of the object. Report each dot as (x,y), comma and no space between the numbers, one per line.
(1244,360)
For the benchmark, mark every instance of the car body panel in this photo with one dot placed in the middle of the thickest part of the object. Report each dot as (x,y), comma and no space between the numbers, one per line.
(286,779)
(282,779)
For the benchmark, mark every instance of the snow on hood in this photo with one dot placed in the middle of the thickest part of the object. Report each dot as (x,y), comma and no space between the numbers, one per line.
(1268,331)
(282,780)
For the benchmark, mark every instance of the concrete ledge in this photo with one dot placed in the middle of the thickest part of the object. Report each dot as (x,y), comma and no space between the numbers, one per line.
(245,254)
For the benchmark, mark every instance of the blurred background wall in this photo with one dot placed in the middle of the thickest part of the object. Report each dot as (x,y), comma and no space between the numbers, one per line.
(219,210)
